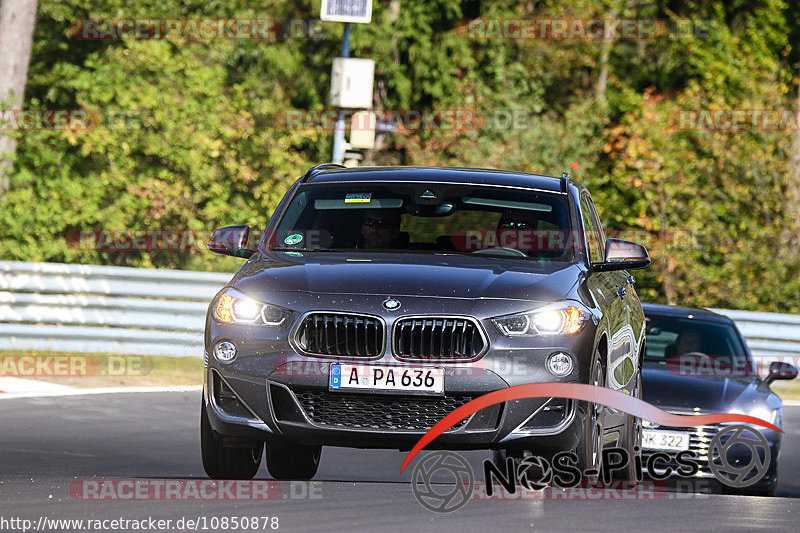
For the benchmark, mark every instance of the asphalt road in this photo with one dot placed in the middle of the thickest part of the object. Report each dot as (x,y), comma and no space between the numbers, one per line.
(48,445)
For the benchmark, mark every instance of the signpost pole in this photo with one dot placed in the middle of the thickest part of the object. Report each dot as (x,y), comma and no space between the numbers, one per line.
(338,132)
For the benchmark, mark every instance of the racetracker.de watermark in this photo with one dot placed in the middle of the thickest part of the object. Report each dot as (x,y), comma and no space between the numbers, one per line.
(265,29)
(72,366)
(43,119)
(199,490)
(700,364)
(72,119)
(733,120)
(391,120)
(132,240)
(200,29)
(579,29)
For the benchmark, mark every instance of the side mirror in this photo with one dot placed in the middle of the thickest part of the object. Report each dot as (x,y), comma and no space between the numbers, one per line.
(623,255)
(231,240)
(780,370)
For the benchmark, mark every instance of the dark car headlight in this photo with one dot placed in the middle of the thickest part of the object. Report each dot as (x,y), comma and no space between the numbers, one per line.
(234,307)
(567,317)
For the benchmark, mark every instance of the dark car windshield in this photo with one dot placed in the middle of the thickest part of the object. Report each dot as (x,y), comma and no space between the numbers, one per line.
(697,347)
(403,217)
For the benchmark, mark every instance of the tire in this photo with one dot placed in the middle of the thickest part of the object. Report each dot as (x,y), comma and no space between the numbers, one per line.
(631,439)
(293,462)
(221,462)
(590,442)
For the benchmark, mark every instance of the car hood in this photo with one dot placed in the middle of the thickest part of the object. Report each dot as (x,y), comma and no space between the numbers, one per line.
(396,274)
(672,392)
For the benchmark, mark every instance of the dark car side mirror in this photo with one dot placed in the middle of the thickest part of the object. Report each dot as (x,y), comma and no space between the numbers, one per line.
(623,255)
(780,370)
(231,240)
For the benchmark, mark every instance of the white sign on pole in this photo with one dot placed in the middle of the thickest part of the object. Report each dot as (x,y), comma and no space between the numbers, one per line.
(347,11)
(351,82)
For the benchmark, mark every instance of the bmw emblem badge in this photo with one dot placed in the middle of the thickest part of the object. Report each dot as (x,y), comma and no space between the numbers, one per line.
(391,304)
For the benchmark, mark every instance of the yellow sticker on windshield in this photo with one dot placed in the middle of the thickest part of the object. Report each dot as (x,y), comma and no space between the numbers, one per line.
(358,198)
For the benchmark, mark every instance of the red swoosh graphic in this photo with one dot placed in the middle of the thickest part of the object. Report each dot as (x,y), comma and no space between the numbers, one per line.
(576,391)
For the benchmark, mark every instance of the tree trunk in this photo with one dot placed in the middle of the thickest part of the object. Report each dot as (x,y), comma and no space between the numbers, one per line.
(17,18)
(665,236)
(793,192)
(605,52)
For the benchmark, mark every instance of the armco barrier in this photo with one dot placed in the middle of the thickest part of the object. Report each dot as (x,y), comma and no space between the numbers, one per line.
(767,333)
(91,309)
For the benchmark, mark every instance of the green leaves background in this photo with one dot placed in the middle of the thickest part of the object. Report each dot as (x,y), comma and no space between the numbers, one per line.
(189,136)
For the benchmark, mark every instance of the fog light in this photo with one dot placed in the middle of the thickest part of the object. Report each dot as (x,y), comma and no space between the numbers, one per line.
(559,364)
(225,351)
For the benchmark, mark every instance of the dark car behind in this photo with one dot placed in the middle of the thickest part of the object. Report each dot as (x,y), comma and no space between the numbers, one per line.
(697,362)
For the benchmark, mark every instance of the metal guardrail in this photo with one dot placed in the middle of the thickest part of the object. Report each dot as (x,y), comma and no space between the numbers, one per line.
(93,309)
(767,333)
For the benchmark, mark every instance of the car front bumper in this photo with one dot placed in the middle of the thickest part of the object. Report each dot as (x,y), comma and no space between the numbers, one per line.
(700,438)
(283,395)
(303,410)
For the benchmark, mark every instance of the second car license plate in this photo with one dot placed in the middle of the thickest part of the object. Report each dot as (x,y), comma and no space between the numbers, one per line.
(386,378)
(665,440)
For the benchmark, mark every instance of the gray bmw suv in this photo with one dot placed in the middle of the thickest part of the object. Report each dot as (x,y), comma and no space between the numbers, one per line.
(380,299)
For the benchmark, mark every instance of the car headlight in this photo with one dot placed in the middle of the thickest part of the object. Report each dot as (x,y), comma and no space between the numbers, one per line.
(565,318)
(763,413)
(235,307)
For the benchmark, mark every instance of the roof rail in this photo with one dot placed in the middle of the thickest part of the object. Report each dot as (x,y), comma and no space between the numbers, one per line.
(564,178)
(313,170)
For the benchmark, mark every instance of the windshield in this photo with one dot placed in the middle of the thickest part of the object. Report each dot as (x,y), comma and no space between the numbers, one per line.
(697,347)
(450,218)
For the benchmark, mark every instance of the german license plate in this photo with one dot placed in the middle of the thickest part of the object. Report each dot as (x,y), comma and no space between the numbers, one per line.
(665,440)
(345,376)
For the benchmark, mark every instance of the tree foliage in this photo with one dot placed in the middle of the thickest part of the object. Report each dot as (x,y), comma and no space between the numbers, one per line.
(189,134)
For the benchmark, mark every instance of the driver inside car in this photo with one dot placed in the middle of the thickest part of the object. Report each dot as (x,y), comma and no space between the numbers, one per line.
(380,229)
(688,342)
(516,228)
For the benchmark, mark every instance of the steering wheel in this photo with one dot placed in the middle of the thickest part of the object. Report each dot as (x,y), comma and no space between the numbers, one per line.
(697,356)
(501,250)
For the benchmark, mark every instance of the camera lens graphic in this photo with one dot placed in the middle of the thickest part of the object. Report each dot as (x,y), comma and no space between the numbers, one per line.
(739,456)
(453,486)
(535,473)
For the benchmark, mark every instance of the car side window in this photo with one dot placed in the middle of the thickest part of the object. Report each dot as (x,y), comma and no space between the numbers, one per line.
(598,228)
(590,232)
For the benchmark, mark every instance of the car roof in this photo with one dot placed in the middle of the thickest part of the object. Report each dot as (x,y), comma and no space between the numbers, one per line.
(683,312)
(475,176)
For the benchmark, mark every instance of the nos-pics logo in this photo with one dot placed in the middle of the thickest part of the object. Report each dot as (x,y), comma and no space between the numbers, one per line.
(443,481)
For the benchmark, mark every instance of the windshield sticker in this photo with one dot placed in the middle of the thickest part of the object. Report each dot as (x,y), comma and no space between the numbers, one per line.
(294,254)
(293,239)
(358,198)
